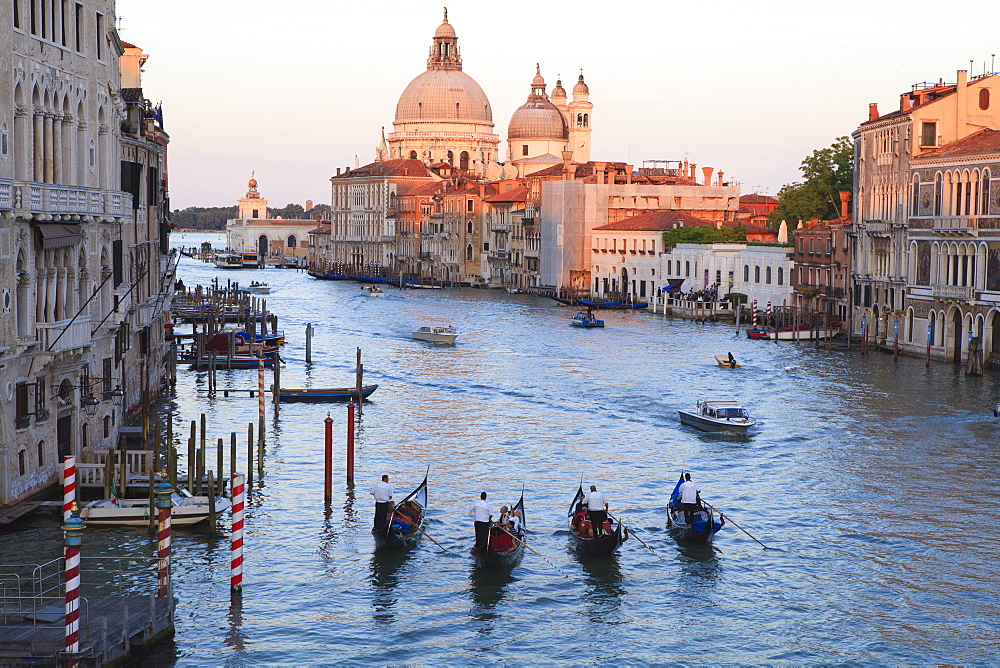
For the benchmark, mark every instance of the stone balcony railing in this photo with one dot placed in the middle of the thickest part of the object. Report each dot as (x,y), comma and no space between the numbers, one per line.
(47,200)
(57,337)
(960,292)
(956,223)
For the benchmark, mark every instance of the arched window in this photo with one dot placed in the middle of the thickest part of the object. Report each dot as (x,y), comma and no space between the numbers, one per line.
(756,274)
(746,273)
(468,227)
(292,241)
(586,120)
(781,276)
(22,462)
(463,161)
(687,269)
(915,196)
(984,98)
(468,253)
(984,193)
(413,155)
(41,454)
(767,275)
(938,186)
(107,426)
(451,158)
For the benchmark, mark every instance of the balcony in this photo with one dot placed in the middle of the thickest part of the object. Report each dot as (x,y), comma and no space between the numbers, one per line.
(64,335)
(123,303)
(966,224)
(958,292)
(824,290)
(75,201)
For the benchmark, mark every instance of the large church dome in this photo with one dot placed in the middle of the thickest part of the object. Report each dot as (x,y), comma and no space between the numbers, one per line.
(443,95)
(538,119)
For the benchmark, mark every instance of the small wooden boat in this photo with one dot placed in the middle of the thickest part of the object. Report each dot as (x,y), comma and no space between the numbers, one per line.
(583,535)
(758,334)
(585,319)
(403,530)
(718,415)
(115,512)
(229,261)
(503,551)
(702,528)
(727,361)
(436,334)
(321,394)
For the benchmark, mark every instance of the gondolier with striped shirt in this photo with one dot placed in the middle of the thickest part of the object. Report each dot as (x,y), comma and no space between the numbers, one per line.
(382,491)
(597,504)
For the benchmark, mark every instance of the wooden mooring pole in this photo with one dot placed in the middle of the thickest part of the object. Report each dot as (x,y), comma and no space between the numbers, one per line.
(328,459)
(350,443)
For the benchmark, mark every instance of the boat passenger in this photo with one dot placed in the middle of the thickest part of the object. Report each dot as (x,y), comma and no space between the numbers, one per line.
(514,522)
(580,516)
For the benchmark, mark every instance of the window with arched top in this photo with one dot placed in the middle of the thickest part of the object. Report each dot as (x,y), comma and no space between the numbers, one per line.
(984,98)
(468,253)
(292,241)
(746,273)
(756,274)
(413,155)
(781,276)
(938,188)
(984,192)
(463,160)
(687,269)
(767,275)
(451,158)
(586,120)
(468,227)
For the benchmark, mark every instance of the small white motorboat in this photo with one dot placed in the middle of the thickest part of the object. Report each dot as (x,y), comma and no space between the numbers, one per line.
(436,334)
(718,415)
(115,512)
(258,288)
(372,291)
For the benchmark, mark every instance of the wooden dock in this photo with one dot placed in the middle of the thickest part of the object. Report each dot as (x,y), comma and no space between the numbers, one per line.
(17,511)
(111,627)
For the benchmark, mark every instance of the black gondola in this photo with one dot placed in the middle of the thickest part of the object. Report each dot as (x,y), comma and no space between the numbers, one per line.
(702,527)
(586,542)
(503,551)
(404,521)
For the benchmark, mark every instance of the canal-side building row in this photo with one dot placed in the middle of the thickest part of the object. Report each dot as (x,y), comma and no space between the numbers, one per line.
(83,239)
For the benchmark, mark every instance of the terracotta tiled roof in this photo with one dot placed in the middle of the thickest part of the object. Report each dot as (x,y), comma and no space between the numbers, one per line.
(757,229)
(129,45)
(132,94)
(658,222)
(387,168)
(425,190)
(515,195)
(754,198)
(981,143)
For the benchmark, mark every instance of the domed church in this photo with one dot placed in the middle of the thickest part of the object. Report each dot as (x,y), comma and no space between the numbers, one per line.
(444,116)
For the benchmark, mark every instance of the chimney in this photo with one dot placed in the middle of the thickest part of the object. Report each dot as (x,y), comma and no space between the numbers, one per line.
(309,205)
(872,111)
(845,198)
(720,177)
(599,168)
(694,170)
(905,102)
(628,174)
(707,173)
(571,172)
(338,171)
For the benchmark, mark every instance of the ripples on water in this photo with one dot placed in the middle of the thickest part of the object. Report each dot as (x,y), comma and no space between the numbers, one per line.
(873,483)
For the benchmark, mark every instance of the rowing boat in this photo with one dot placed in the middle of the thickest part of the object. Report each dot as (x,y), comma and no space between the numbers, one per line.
(502,551)
(321,394)
(702,527)
(404,521)
(583,535)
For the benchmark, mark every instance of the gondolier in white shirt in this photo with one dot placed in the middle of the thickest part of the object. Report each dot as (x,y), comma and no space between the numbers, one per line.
(690,497)
(382,491)
(597,505)
(482,514)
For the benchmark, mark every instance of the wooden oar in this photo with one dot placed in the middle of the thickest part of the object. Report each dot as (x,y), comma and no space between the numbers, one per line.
(625,528)
(734,523)
(497,524)
(418,526)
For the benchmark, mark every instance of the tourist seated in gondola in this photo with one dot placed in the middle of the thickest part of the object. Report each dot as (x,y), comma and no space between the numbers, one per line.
(514,522)
(580,517)
(500,540)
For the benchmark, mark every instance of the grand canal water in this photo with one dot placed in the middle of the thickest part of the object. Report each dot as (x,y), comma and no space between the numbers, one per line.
(873,484)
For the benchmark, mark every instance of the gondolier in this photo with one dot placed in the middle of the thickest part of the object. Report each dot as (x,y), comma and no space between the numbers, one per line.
(482,514)
(382,491)
(597,505)
(690,497)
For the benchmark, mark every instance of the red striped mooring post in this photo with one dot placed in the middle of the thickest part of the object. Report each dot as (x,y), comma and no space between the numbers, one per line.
(236,542)
(163,503)
(73,530)
(350,443)
(755,314)
(69,486)
(328,459)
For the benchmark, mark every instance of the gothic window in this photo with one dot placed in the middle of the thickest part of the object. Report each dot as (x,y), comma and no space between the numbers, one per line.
(937,194)
(767,275)
(915,195)
(91,151)
(468,252)
(468,228)
(984,193)
(413,155)
(781,275)
(4,142)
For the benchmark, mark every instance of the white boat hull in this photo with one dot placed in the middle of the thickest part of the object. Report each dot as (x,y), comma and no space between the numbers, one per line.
(434,338)
(135,512)
(736,426)
(805,334)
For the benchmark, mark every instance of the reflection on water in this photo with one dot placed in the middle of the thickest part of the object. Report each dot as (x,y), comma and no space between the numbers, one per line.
(387,571)
(235,638)
(604,588)
(487,589)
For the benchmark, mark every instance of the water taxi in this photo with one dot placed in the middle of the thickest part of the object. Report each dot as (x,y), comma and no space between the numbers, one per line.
(723,415)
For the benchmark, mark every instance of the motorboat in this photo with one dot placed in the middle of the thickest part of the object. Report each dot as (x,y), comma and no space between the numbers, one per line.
(258,288)
(185,509)
(229,261)
(372,291)
(727,361)
(436,334)
(585,319)
(723,415)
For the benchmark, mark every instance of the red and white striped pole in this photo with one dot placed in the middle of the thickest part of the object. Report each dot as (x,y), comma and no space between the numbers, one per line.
(163,506)
(236,537)
(768,320)
(69,486)
(73,529)
(755,314)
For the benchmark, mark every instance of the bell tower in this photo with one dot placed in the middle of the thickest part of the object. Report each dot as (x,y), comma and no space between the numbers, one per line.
(579,113)
(252,205)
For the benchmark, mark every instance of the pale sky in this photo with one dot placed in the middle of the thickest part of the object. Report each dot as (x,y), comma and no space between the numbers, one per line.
(292,90)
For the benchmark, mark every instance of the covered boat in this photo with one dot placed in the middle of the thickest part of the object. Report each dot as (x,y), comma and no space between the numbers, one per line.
(718,415)
(436,334)
(583,534)
(585,319)
(503,551)
(321,394)
(185,510)
(229,261)
(404,521)
(701,528)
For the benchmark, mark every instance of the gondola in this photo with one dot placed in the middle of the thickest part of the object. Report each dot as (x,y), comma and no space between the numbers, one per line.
(321,394)
(703,527)
(503,551)
(586,543)
(402,531)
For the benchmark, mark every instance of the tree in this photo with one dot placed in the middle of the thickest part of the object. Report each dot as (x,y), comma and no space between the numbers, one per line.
(703,234)
(288,212)
(826,172)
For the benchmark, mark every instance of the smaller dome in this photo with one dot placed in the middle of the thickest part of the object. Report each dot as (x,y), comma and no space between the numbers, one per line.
(445,30)
(252,183)
(538,81)
(559,91)
(581,87)
(538,120)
